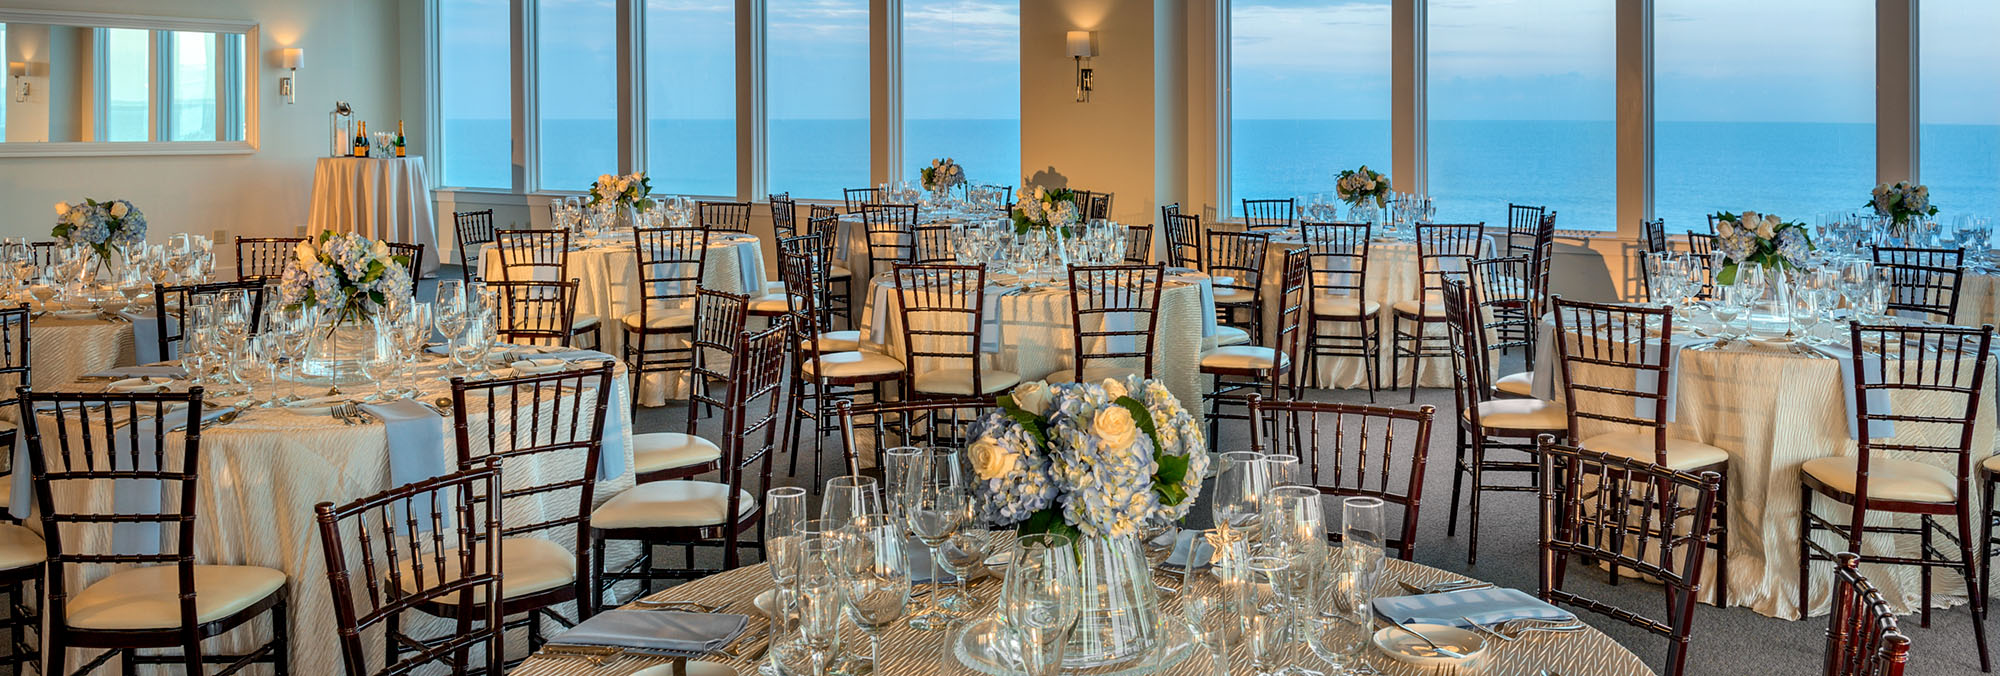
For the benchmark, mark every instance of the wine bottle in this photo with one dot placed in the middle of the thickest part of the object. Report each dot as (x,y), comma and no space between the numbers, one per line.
(399,138)
(361,140)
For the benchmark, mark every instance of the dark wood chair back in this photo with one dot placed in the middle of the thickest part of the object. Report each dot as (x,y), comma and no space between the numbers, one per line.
(1499,291)
(931,421)
(1861,636)
(1270,213)
(1139,244)
(950,299)
(1114,311)
(413,254)
(1183,240)
(754,421)
(802,266)
(1467,344)
(931,244)
(1701,246)
(1943,366)
(1353,450)
(784,215)
(1540,261)
(1923,280)
(1445,249)
(534,312)
(718,325)
(671,265)
(856,198)
(1654,235)
(1627,363)
(533,254)
(170,310)
(1294,298)
(265,258)
(1338,254)
(723,216)
(475,229)
(43,254)
(1522,221)
(891,229)
(16,370)
(1240,257)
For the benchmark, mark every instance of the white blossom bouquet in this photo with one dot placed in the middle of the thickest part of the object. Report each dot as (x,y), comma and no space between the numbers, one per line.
(1096,459)
(103,226)
(943,174)
(1762,239)
(1901,202)
(1355,186)
(1045,208)
(631,190)
(344,273)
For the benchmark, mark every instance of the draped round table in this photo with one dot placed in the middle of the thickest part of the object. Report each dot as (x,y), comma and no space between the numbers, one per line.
(1978,298)
(62,350)
(387,198)
(908,651)
(609,287)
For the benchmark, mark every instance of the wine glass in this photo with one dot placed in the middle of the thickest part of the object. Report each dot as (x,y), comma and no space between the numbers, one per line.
(784,530)
(897,465)
(1280,469)
(246,363)
(850,495)
(413,329)
(1236,488)
(960,555)
(1294,521)
(937,511)
(1267,612)
(449,309)
(1338,630)
(1159,536)
(473,341)
(1212,604)
(819,599)
(1038,600)
(875,575)
(383,356)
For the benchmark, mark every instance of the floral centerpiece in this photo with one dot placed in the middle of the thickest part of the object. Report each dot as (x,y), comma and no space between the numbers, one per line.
(631,191)
(1763,239)
(1045,209)
(1355,186)
(1901,202)
(942,175)
(345,274)
(105,227)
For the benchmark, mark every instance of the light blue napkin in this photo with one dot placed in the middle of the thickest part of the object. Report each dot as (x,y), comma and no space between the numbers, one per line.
(146,337)
(1204,553)
(1547,371)
(1647,381)
(169,372)
(128,496)
(1486,606)
(417,447)
(750,264)
(989,330)
(919,558)
(1878,400)
(1207,286)
(669,630)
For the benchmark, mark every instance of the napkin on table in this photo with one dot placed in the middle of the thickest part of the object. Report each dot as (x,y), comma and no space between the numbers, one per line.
(1486,606)
(129,496)
(123,372)
(670,630)
(1878,400)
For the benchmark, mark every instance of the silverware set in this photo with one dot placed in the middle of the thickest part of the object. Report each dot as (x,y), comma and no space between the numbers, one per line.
(351,414)
(1445,586)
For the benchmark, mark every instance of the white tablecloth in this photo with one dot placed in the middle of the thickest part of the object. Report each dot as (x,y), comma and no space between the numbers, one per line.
(63,350)
(386,199)
(608,288)
(1978,299)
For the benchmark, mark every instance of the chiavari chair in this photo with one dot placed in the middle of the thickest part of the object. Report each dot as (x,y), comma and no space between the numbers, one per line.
(22,551)
(709,514)
(1922,281)
(1499,292)
(1486,425)
(829,366)
(890,229)
(1139,244)
(1342,320)
(1006,196)
(931,244)
(784,215)
(1243,370)
(1236,267)
(1114,314)
(475,229)
(554,423)
(719,320)
(825,225)
(543,255)
(1617,374)
(1354,450)
(1700,246)
(1944,366)
(943,313)
(1183,239)
(1862,638)
(1442,250)
(158,597)
(723,216)
(932,421)
(16,371)
(1653,234)
(43,254)
(410,546)
(170,309)
(1092,205)
(264,259)
(813,278)
(535,312)
(1270,213)
(856,198)
(414,254)
(1604,507)
(670,272)
(1522,221)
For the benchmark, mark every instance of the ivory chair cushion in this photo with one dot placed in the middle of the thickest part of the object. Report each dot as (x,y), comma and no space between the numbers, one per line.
(671,504)
(1093,374)
(661,318)
(656,451)
(959,381)
(838,272)
(20,547)
(1518,384)
(149,597)
(1991,463)
(770,303)
(1344,306)
(1241,357)
(1226,295)
(1231,335)
(1888,478)
(527,565)
(1681,453)
(1522,414)
(852,365)
(834,341)
(1409,306)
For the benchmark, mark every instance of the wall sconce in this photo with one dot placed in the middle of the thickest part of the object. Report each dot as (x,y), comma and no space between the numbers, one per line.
(288,86)
(1082,46)
(19,70)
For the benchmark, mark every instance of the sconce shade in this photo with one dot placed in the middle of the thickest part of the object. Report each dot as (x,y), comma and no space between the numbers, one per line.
(294,57)
(1082,44)
(17,68)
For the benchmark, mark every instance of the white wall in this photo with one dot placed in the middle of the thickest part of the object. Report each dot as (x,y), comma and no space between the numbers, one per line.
(352,53)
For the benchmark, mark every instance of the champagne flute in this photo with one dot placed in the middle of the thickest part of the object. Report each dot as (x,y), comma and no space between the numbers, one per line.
(819,598)
(784,531)
(1038,601)
(1338,630)
(1267,612)
(937,511)
(1236,488)
(875,572)
(1212,604)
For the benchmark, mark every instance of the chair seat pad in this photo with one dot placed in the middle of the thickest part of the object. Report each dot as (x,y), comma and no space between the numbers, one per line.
(20,547)
(527,565)
(1518,384)
(671,504)
(583,324)
(1094,374)
(854,364)
(1231,335)
(1991,464)
(1522,414)
(656,451)
(661,318)
(1242,357)
(1344,306)
(149,597)
(959,381)
(1232,296)
(838,272)
(1409,306)
(774,287)
(770,303)
(1888,478)
(833,341)
(1682,454)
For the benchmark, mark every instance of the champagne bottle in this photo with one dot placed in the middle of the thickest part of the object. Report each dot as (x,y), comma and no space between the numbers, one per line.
(361,140)
(399,138)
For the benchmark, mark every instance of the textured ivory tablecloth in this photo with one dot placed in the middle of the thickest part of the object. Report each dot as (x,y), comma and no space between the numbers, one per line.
(1978,299)
(62,350)
(387,198)
(609,287)
(1774,410)
(262,474)
(908,651)
(1034,337)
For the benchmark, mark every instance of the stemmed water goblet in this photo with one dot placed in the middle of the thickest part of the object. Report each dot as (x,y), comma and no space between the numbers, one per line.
(1237,484)
(938,511)
(382,357)
(875,575)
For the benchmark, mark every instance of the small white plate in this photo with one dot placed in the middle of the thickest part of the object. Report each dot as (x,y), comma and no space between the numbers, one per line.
(530,366)
(140,385)
(766,603)
(316,405)
(1403,647)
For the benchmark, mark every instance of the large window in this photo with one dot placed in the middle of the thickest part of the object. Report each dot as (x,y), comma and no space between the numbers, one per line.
(3,101)
(576,55)
(962,87)
(125,69)
(1960,106)
(1309,94)
(1523,98)
(475,94)
(1764,106)
(691,96)
(818,107)
(191,73)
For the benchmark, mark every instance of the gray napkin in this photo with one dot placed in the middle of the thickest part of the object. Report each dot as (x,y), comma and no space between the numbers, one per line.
(1204,553)
(1488,606)
(657,630)
(137,371)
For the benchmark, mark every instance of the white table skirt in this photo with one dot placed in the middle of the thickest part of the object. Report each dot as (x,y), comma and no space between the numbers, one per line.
(66,349)
(388,199)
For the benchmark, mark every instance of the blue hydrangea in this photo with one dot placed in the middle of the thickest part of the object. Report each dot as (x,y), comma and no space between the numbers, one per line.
(1793,244)
(342,274)
(1012,498)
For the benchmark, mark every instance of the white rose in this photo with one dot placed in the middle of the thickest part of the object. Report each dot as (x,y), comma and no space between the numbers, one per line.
(118,209)
(62,208)
(1725,229)
(1767,227)
(990,459)
(305,254)
(379,250)
(1114,427)
(1114,388)
(1033,396)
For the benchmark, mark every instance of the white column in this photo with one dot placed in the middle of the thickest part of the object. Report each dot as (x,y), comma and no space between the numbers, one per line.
(750,98)
(885,90)
(1895,90)
(1409,110)
(631,29)
(1635,114)
(523,64)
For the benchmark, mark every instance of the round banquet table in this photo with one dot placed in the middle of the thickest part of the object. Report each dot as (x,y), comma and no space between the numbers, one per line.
(1773,410)
(63,350)
(381,198)
(907,651)
(1978,298)
(1029,329)
(609,287)
(261,475)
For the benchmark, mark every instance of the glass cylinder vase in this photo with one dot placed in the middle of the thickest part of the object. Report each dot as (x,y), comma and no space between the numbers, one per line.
(337,349)
(1119,620)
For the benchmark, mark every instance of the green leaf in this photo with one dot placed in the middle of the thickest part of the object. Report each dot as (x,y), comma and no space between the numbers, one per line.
(1173,468)
(1170,494)
(1034,424)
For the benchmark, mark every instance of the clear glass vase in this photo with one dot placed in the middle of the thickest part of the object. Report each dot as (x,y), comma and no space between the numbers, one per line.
(1120,617)
(337,349)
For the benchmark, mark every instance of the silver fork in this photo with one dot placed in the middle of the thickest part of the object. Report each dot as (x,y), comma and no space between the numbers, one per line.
(344,413)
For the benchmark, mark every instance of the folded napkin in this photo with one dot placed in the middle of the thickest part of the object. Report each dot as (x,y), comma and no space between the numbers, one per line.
(669,630)
(1204,553)
(123,372)
(1646,381)
(1878,400)
(128,496)
(416,440)
(146,336)
(1485,606)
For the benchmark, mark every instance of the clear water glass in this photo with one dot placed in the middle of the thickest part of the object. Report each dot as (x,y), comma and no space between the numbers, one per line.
(1236,488)
(784,532)
(1212,604)
(875,572)
(819,601)
(384,357)
(1267,613)
(938,510)
(850,495)
(1362,536)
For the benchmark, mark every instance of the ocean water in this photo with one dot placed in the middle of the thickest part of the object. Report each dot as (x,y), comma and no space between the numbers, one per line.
(1795,170)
